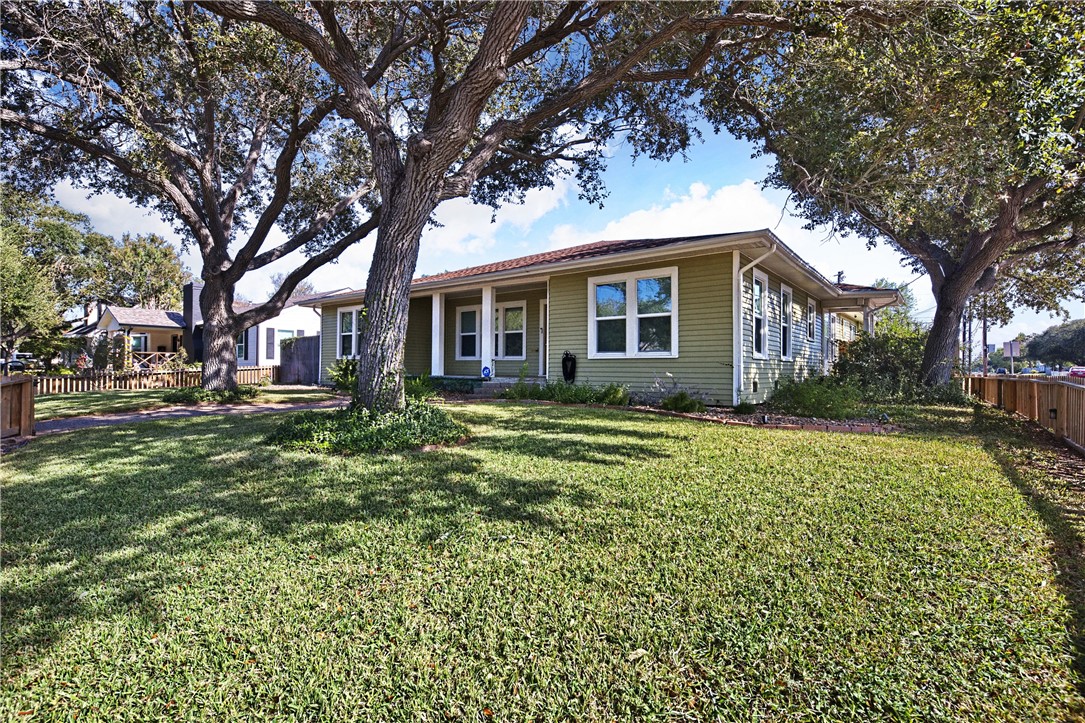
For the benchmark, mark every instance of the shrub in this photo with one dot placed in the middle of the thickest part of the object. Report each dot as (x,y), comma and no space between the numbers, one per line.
(745,407)
(344,375)
(454,385)
(682,402)
(565,393)
(358,431)
(815,397)
(419,387)
(197,395)
(885,368)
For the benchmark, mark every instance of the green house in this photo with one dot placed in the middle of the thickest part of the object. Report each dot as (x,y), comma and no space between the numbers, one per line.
(725,316)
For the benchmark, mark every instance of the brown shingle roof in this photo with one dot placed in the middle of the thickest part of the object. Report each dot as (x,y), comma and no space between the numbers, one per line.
(573,253)
(856,287)
(138,316)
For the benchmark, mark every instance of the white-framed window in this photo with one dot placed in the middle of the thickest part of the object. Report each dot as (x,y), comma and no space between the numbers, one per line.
(348,332)
(468,329)
(633,314)
(759,298)
(510,330)
(811,314)
(140,342)
(243,345)
(787,322)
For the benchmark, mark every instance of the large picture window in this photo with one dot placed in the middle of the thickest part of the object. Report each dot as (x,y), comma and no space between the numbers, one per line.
(786,322)
(633,315)
(140,342)
(467,332)
(759,298)
(510,327)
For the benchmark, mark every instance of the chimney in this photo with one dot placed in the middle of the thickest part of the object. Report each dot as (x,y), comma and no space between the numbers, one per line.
(193,315)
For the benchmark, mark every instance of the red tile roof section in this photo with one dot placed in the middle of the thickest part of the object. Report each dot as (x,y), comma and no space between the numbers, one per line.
(856,287)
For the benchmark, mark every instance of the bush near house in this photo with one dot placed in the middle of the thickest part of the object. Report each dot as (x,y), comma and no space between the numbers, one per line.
(820,397)
(565,393)
(682,402)
(885,369)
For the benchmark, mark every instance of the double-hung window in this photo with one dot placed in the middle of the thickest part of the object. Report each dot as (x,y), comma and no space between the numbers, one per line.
(243,345)
(140,343)
(633,314)
(468,320)
(811,314)
(350,333)
(760,299)
(786,322)
(510,328)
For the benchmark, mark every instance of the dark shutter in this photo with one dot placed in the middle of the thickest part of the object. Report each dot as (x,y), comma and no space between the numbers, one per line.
(248,341)
(270,343)
(299,332)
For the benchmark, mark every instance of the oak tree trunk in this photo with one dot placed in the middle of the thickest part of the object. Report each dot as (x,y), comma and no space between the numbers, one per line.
(387,298)
(219,337)
(943,339)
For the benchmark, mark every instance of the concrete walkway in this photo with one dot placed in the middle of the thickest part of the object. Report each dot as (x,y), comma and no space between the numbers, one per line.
(71,424)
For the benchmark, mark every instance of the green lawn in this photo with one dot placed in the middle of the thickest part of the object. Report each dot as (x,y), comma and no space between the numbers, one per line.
(566,564)
(58,406)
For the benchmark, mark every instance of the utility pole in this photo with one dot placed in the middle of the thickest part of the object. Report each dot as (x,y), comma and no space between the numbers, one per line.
(983,334)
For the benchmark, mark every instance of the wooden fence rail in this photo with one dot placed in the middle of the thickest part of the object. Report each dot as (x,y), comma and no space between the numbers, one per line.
(16,406)
(106,381)
(1052,403)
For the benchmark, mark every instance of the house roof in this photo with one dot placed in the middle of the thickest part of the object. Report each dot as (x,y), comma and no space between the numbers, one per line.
(138,316)
(777,254)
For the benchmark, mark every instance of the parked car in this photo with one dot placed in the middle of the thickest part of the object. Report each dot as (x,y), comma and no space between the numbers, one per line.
(1002,370)
(10,367)
(1077,371)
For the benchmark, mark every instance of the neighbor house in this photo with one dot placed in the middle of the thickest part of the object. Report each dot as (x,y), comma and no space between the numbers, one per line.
(157,335)
(724,316)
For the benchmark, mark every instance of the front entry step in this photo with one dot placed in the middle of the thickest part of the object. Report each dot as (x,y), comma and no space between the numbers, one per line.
(493,388)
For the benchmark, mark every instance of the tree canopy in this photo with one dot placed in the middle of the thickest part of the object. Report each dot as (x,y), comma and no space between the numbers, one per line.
(955,133)
(489,100)
(1061,344)
(225,128)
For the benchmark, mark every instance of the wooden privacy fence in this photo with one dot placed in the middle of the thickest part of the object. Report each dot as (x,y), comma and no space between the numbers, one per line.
(16,406)
(106,381)
(1052,403)
(299,360)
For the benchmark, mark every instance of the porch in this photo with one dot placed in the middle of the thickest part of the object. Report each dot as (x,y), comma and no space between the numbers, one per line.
(495,332)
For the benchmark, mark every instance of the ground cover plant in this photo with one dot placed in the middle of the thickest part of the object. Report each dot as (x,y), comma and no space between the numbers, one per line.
(78,404)
(819,397)
(199,395)
(569,563)
(359,431)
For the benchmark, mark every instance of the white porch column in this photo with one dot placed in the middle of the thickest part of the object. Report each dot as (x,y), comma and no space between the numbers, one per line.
(437,337)
(868,321)
(486,330)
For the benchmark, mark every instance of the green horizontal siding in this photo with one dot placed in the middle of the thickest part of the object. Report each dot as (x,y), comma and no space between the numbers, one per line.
(768,373)
(501,368)
(416,354)
(704,364)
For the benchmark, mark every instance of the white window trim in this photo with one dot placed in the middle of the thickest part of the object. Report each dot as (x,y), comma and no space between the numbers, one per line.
(146,341)
(789,313)
(811,316)
(242,343)
(499,330)
(339,332)
(631,316)
(477,332)
(764,279)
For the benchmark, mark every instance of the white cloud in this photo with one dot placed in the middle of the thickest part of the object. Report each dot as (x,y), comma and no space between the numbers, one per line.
(742,207)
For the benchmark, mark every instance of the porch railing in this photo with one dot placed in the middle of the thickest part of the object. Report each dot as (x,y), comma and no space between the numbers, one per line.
(153,359)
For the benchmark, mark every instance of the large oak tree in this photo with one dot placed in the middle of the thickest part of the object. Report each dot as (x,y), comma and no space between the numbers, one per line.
(489,100)
(227,129)
(955,132)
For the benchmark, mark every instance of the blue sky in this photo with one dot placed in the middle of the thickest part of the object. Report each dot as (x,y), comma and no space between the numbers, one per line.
(717,190)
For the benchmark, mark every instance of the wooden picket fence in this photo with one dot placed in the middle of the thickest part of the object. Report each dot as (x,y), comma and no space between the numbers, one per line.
(1057,404)
(107,381)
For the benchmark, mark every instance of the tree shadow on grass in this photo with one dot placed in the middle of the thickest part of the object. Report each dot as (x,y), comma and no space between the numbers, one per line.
(98,523)
(1006,440)
(545,432)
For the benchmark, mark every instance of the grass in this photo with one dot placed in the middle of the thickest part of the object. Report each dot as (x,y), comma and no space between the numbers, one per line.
(567,564)
(60,406)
